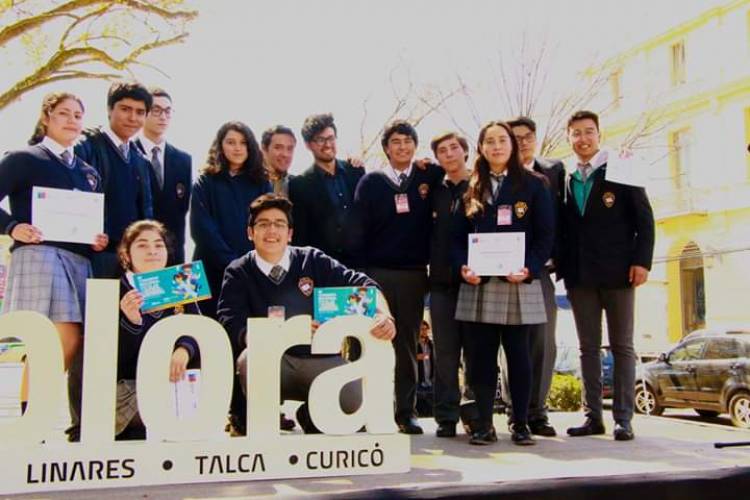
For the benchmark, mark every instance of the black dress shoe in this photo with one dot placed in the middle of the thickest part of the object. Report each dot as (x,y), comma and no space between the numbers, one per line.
(446,430)
(304,420)
(410,426)
(237,426)
(623,431)
(286,424)
(590,427)
(483,437)
(521,435)
(542,428)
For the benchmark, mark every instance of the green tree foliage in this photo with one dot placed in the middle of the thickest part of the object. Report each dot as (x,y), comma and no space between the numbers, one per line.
(70,39)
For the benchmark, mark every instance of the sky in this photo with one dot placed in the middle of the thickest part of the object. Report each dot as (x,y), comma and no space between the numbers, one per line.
(277,62)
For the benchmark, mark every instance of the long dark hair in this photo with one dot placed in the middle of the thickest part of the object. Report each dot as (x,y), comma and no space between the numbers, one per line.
(49,103)
(217,162)
(480,183)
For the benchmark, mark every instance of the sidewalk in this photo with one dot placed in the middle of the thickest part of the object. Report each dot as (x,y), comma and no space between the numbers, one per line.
(663,446)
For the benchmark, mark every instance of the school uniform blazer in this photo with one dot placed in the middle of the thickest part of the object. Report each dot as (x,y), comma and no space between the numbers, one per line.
(314,215)
(616,231)
(554,171)
(172,201)
(531,213)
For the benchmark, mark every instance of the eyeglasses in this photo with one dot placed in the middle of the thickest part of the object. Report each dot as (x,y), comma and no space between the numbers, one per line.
(264,225)
(320,141)
(157,111)
(526,138)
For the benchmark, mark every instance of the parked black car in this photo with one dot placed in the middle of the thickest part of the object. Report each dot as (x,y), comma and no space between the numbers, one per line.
(709,370)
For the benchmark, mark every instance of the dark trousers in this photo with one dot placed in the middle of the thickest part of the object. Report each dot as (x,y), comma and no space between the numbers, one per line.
(404,290)
(543,351)
(618,304)
(448,339)
(482,344)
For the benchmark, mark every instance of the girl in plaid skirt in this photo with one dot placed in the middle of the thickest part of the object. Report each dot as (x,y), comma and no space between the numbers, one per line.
(502,197)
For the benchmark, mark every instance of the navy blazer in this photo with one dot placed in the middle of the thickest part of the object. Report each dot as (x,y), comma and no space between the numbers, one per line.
(172,201)
(615,232)
(554,171)
(531,213)
(315,221)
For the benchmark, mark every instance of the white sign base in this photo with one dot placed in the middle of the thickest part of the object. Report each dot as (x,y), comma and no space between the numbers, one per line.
(140,463)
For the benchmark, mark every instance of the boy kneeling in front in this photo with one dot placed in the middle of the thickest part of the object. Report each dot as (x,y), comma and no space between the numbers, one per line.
(277,280)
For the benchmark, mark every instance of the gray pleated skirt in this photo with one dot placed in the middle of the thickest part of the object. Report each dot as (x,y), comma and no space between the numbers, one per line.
(48,280)
(502,303)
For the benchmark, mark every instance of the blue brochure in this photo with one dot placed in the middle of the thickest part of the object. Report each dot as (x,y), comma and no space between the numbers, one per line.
(172,286)
(343,301)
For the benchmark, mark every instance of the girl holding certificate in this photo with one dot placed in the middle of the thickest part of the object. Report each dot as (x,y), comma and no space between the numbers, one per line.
(48,277)
(143,248)
(502,197)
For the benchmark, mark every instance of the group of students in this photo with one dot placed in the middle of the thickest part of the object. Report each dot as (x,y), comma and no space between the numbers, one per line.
(383,228)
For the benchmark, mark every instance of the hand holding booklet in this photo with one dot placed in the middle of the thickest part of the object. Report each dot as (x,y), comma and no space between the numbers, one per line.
(497,254)
(172,286)
(330,302)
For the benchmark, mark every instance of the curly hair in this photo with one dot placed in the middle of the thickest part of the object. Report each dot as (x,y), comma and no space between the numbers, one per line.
(217,162)
(315,124)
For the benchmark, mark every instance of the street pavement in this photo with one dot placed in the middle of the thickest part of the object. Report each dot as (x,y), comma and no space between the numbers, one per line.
(663,445)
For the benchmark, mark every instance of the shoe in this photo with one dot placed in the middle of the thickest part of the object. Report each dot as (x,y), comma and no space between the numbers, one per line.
(483,438)
(237,426)
(590,427)
(286,424)
(623,431)
(446,430)
(304,420)
(542,428)
(521,435)
(74,433)
(410,426)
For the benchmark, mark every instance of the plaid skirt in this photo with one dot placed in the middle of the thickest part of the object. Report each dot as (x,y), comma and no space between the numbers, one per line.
(501,303)
(126,407)
(48,280)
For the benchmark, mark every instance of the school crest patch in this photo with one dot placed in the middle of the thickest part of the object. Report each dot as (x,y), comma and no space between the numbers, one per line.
(424,190)
(93,181)
(305,286)
(180,189)
(521,208)
(609,199)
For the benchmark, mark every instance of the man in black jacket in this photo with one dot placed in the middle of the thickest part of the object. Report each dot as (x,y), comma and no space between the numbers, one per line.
(323,195)
(542,336)
(607,243)
(171,171)
(451,151)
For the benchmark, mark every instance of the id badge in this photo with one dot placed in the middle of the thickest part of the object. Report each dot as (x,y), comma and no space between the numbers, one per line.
(504,215)
(402,203)
(277,312)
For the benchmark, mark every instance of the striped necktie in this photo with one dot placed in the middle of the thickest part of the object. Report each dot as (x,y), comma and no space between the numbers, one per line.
(67,158)
(277,274)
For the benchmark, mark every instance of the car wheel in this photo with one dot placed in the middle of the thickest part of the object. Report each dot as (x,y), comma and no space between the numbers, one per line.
(646,402)
(707,413)
(739,410)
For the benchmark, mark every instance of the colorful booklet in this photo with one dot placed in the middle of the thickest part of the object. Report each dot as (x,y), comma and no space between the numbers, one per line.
(343,301)
(172,286)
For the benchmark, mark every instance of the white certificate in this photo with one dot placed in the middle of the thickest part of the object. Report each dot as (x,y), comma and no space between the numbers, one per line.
(497,254)
(67,215)
(626,169)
